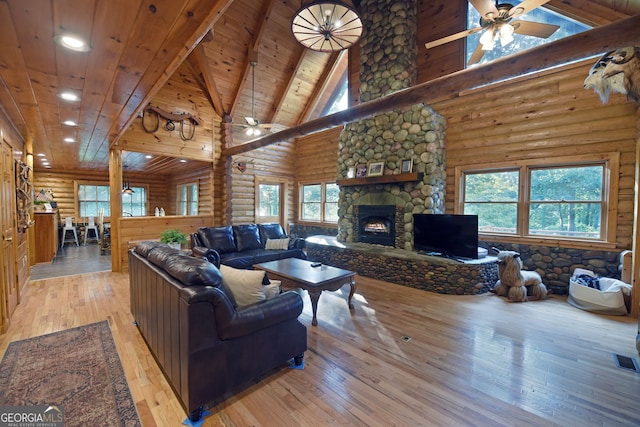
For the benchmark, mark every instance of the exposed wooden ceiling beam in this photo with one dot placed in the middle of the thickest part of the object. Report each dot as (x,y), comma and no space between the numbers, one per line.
(214,95)
(279,102)
(152,82)
(321,86)
(579,46)
(252,54)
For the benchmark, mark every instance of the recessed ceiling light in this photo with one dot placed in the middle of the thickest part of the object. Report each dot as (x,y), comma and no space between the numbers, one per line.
(148,156)
(45,163)
(40,154)
(69,96)
(69,139)
(183,161)
(69,123)
(72,42)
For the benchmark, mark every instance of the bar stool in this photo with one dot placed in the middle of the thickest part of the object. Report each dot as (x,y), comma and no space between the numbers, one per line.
(91,227)
(69,227)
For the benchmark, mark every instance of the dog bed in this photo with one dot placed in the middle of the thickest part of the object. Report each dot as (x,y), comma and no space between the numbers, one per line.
(608,299)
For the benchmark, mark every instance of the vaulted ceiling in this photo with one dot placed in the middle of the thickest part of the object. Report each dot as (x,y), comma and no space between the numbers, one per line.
(137,45)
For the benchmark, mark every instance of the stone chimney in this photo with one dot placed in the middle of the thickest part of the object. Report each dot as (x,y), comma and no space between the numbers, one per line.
(388,64)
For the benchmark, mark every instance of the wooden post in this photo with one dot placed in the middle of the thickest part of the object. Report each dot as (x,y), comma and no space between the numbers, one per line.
(115,196)
(635,282)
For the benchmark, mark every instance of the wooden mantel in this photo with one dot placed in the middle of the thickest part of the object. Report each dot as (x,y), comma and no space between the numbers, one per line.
(384,179)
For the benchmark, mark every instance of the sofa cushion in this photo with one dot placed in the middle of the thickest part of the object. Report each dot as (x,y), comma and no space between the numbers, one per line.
(271,231)
(191,271)
(160,253)
(247,237)
(272,290)
(242,260)
(246,285)
(277,244)
(143,248)
(218,238)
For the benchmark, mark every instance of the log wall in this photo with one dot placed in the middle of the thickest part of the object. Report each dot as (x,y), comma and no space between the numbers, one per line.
(545,116)
(274,163)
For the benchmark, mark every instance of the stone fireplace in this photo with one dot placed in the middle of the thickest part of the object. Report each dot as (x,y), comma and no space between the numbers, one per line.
(418,134)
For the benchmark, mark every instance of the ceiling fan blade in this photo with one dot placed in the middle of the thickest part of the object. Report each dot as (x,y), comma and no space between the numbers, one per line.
(535,29)
(476,56)
(251,121)
(486,8)
(452,37)
(526,6)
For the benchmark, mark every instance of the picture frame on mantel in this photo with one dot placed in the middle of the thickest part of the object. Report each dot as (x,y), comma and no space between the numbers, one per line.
(375,169)
(361,171)
(407,166)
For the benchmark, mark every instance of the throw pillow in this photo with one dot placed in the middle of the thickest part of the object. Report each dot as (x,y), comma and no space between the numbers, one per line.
(245,285)
(272,290)
(277,244)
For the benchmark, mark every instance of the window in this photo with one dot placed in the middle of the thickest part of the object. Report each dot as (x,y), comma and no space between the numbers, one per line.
(135,204)
(319,202)
(567,201)
(269,200)
(187,199)
(522,42)
(92,198)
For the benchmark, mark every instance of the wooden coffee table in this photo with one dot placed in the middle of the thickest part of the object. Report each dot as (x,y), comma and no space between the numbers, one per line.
(297,273)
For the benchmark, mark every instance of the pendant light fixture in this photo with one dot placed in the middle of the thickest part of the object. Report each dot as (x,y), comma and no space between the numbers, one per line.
(253,129)
(127,188)
(326,26)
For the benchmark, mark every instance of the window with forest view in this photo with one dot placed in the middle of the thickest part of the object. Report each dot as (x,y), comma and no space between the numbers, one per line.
(92,198)
(268,203)
(319,202)
(560,201)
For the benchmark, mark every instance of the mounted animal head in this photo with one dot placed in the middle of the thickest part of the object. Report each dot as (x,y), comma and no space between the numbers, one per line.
(601,85)
(616,71)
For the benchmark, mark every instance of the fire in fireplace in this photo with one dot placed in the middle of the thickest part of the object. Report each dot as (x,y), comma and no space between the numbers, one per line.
(376,224)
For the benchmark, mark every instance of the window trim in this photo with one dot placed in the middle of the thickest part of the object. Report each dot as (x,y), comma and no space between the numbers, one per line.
(281,206)
(188,201)
(323,202)
(78,183)
(611,162)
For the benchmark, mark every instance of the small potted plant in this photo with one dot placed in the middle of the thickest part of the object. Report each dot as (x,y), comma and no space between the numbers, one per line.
(174,238)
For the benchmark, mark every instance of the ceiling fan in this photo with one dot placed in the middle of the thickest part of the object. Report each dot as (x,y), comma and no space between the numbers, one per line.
(498,22)
(253,127)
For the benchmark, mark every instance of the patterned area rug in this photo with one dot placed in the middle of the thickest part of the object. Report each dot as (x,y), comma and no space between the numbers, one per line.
(76,369)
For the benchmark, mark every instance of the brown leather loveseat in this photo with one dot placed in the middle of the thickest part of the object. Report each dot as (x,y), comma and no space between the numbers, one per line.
(207,347)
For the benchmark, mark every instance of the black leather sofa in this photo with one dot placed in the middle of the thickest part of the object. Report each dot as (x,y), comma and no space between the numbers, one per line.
(242,246)
(206,346)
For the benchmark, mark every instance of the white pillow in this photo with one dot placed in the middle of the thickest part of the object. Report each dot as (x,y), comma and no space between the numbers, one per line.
(246,285)
(272,290)
(278,244)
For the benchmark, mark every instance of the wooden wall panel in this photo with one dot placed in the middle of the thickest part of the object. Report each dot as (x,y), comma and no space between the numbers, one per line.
(275,162)
(64,184)
(542,116)
(179,95)
(149,228)
(545,116)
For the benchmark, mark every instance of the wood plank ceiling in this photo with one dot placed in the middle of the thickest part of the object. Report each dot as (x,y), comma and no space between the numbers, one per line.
(137,45)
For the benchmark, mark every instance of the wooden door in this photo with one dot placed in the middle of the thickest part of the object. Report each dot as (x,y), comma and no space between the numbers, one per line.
(8,277)
(270,195)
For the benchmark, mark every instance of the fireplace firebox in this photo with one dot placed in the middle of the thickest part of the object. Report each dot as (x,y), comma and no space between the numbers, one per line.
(376,224)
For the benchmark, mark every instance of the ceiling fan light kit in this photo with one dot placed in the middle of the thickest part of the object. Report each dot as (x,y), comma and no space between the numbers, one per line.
(326,26)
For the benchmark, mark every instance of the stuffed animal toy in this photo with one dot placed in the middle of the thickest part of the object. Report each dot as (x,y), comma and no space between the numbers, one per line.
(514,282)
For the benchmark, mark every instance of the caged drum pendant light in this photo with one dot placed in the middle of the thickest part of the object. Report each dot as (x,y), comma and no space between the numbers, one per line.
(326,26)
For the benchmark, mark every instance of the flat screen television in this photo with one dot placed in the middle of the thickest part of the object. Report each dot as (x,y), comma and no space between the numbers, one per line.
(454,236)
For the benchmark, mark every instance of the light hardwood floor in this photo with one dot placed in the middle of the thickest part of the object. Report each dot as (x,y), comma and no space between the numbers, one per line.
(471,360)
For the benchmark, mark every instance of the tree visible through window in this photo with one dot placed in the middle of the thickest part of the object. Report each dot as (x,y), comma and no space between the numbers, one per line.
(269,200)
(92,198)
(562,201)
(319,202)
